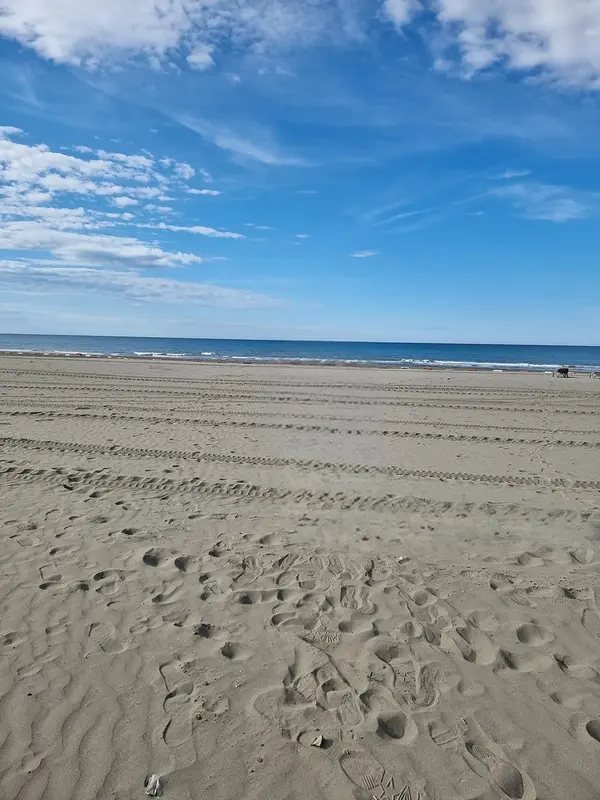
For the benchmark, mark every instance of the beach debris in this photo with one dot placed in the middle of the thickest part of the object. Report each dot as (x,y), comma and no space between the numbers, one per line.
(402,558)
(318,741)
(152,786)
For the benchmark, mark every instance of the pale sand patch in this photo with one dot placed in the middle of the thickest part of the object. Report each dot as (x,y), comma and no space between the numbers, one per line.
(297,583)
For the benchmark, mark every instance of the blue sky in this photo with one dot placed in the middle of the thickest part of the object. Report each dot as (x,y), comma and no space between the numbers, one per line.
(335,169)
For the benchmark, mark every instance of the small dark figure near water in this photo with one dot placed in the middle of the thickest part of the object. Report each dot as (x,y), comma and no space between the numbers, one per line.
(562,372)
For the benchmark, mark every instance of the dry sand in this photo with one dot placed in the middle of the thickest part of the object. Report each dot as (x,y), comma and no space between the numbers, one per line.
(207,568)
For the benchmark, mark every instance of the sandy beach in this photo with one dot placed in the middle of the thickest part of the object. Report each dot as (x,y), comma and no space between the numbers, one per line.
(297,583)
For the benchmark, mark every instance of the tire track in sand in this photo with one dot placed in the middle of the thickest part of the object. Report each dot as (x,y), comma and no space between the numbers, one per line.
(70,480)
(309,464)
(282,426)
(325,417)
(291,398)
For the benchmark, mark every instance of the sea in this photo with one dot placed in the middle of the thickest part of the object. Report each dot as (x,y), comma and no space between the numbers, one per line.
(381,354)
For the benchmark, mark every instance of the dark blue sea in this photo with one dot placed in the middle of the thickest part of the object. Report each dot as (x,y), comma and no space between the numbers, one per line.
(384,354)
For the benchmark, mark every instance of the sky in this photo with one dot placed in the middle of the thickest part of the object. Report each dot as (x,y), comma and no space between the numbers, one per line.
(378,170)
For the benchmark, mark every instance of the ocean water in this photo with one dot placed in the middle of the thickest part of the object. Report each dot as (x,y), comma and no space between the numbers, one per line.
(385,354)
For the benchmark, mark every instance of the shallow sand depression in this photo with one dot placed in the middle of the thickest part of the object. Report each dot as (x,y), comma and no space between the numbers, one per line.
(297,583)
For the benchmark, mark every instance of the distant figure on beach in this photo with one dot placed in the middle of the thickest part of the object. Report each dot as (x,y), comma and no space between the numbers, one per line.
(562,372)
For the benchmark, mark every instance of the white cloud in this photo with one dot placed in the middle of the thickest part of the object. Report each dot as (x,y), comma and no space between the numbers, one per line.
(184,171)
(32,175)
(259,227)
(364,254)
(73,185)
(260,146)
(36,196)
(61,237)
(8,130)
(59,218)
(265,152)
(16,276)
(400,11)
(96,34)
(71,247)
(547,202)
(201,57)
(23,162)
(558,38)
(509,174)
(201,230)
(208,178)
(27,168)
(302,236)
(136,162)
(209,192)
(181,169)
(149,192)
(123,202)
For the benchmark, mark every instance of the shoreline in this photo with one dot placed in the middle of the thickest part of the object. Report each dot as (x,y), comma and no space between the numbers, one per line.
(292,362)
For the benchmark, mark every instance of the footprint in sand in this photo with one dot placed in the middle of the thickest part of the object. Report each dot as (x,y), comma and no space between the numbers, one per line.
(475,646)
(25,541)
(528,559)
(204,630)
(398,727)
(501,773)
(422,598)
(362,769)
(250,570)
(106,638)
(583,555)
(170,595)
(427,692)
(177,706)
(99,520)
(252,597)
(593,728)
(49,574)
(57,634)
(289,621)
(357,598)
(233,651)
(156,557)
(533,634)
(217,706)
(26,526)
(108,581)
(591,622)
(187,564)
(29,670)
(13,639)
(448,736)
(529,661)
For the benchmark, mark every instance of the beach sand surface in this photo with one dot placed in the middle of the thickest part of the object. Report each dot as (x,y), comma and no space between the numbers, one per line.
(297,583)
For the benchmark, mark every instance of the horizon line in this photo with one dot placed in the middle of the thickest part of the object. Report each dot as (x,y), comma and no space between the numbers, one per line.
(308,341)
